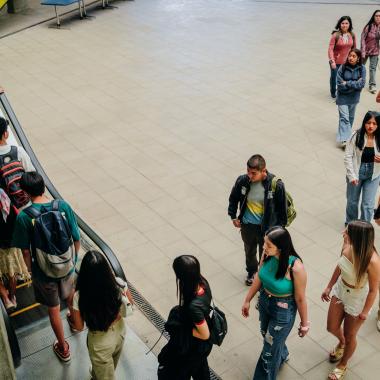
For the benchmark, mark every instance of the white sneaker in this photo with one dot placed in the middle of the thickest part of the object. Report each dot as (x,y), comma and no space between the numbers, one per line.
(378,324)
(372,89)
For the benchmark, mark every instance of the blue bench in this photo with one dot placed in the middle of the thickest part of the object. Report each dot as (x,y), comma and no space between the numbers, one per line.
(63,3)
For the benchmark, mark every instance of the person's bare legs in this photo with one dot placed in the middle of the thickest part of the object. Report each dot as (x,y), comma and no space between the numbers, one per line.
(69,302)
(12,288)
(335,318)
(350,329)
(57,325)
(4,294)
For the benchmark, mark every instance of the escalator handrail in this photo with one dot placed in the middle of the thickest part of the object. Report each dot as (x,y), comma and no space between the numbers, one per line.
(102,245)
(12,338)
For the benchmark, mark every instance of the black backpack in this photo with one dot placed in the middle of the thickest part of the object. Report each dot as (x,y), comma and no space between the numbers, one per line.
(217,325)
(52,243)
(11,171)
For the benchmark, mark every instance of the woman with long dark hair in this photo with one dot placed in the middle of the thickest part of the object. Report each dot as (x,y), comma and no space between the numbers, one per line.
(282,285)
(370,47)
(194,298)
(341,42)
(352,291)
(351,78)
(98,302)
(362,162)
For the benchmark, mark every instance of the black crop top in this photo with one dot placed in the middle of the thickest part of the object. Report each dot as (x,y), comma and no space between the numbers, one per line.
(368,154)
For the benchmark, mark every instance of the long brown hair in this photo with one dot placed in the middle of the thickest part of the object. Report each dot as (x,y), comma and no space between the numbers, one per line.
(362,238)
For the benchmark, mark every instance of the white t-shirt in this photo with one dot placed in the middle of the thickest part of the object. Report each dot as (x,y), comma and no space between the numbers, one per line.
(22,156)
(123,287)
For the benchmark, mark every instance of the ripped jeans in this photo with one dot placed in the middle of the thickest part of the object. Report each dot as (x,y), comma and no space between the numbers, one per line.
(277,315)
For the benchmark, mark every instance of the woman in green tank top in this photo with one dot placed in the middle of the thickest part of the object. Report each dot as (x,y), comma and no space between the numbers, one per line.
(281,282)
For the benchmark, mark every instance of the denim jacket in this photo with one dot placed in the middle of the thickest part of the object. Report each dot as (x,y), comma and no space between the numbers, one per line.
(354,78)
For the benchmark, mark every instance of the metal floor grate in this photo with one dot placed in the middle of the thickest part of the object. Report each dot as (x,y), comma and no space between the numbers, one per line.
(155,317)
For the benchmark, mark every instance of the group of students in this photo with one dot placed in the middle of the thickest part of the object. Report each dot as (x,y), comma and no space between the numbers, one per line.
(348,71)
(258,207)
(93,295)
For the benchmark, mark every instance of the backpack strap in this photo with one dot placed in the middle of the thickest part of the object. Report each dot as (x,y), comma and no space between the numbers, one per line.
(337,35)
(32,212)
(274,184)
(12,154)
(55,205)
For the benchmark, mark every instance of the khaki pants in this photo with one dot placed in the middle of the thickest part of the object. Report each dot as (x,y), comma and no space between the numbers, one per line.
(104,349)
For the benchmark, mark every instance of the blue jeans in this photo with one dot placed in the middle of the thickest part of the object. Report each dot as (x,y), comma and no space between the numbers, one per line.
(277,315)
(346,120)
(373,59)
(367,187)
(333,73)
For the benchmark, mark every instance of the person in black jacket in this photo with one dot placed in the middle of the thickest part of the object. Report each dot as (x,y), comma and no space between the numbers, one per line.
(259,209)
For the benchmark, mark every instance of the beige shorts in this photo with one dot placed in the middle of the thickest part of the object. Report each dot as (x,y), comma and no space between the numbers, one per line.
(353,300)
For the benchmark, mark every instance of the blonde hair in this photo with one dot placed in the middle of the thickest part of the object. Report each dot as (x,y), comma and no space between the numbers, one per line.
(362,238)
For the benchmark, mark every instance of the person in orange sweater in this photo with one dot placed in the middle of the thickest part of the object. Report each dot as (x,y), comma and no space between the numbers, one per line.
(341,42)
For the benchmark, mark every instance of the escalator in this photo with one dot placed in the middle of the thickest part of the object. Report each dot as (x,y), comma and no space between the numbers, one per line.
(30,335)
(28,328)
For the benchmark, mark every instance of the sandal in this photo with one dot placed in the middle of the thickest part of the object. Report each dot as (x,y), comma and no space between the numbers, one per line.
(9,306)
(14,301)
(70,323)
(336,354)
(63,355)
(337,374)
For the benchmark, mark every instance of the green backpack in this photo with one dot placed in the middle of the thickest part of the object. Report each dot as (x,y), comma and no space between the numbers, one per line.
(291,212)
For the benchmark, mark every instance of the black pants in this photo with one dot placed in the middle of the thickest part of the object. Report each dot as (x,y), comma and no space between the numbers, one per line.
(252,237)
(173,367)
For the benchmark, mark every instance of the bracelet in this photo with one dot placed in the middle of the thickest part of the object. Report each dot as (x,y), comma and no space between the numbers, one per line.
(304,328)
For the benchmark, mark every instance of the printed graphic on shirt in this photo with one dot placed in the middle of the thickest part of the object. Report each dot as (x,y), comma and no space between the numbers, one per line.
(255,204)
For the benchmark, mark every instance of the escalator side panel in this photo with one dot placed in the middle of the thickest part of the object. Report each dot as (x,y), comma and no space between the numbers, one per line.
(12,338)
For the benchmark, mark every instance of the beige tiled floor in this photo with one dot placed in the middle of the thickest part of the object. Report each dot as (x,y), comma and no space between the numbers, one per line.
(144,117)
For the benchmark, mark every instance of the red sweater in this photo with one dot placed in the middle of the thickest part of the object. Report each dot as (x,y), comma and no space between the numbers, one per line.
(370,40)
(338,50)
